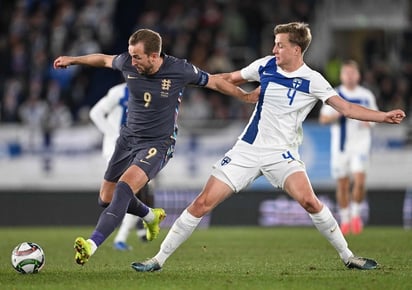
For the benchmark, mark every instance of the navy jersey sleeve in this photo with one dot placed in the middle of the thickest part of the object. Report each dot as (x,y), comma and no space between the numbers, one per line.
(196,75)
(119,61)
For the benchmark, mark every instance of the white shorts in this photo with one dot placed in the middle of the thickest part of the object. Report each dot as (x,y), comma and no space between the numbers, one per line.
(344,164)
(244,163)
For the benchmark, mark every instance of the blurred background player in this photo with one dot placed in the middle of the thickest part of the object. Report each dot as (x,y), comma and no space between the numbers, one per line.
(109,114)
(350,148)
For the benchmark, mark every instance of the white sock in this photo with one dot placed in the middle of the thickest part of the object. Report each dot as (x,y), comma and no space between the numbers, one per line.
(180,231)
(128,223)
(328,226)
(344,214)
(149,217)
(355,209)
(93,244)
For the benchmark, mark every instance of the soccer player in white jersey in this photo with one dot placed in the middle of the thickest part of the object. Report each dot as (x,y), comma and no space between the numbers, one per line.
(350,148)
(109,114)
(269,144)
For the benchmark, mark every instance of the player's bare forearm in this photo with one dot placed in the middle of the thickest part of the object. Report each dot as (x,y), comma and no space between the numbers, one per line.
(221,85)
(233,78)
(365,114)
(354,111)
(96,60)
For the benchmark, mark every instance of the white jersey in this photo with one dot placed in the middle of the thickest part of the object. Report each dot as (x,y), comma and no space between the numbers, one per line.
(349,135)
(109,114)
(285,101)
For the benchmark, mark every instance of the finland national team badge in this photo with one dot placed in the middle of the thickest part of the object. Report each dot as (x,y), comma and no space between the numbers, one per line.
(297,82)
(225,160)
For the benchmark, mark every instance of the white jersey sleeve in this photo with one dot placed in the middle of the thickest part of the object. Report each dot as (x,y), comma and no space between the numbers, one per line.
(320,87)
(251,72)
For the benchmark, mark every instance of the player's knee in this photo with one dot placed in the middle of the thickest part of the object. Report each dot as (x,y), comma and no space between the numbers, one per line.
(310,204)
(200,207)
(102,203)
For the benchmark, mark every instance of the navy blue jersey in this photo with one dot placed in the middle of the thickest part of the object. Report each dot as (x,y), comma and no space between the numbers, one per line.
(154,99)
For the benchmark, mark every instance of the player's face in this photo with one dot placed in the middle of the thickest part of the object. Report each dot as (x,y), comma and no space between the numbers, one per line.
(284,51)
(349,76)
(141,61)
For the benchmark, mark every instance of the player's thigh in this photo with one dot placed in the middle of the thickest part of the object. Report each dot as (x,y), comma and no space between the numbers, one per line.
(153,157)
(121,159)
(298,186)
(214,192)
(149,157)
(277,165)
(135,177)
(146,164)
(238,168)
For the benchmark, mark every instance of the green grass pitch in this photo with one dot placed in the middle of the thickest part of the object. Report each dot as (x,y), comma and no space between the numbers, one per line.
(215,258)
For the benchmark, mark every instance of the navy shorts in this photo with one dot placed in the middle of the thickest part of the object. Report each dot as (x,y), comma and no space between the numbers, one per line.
(150,156)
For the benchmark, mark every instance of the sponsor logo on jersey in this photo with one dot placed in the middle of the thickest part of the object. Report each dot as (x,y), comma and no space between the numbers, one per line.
(267,74)
(130,77)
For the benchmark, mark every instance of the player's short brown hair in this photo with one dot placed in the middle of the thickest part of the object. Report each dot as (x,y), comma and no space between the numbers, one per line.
(299,33)
(152,40)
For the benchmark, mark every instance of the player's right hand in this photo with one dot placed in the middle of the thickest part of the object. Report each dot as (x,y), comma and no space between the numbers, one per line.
(61,62)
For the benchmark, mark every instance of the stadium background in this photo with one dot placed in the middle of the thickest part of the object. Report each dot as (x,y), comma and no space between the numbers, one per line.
(50,162)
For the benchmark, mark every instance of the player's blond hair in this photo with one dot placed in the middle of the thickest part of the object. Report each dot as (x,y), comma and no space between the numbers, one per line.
(299,33)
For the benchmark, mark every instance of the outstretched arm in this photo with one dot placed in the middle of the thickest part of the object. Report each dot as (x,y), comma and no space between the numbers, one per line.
(233,77)
(354,111)
(96,59)
(218,83)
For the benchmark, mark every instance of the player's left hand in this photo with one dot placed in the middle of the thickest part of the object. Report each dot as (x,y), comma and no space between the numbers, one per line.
(253,96)
(394,116)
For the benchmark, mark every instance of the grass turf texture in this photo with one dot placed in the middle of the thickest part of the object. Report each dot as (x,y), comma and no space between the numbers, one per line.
(216,258)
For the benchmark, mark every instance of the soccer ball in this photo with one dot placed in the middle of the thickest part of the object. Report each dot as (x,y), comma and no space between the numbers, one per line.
(28,258)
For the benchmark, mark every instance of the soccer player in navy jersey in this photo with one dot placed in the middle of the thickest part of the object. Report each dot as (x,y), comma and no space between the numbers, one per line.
(109,114)
(269,144)
(156,82)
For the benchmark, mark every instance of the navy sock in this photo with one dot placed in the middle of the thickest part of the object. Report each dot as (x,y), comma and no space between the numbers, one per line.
(113,215)
(136,207)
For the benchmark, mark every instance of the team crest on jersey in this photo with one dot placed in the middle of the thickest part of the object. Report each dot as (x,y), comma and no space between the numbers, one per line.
(225,160)
(296,83)
(166,84)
